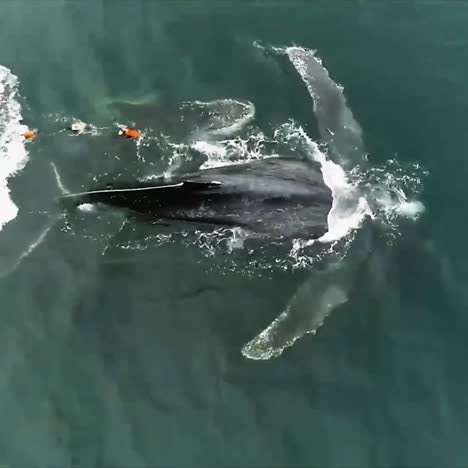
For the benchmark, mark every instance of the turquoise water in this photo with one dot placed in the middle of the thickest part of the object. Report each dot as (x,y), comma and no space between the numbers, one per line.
(120,349)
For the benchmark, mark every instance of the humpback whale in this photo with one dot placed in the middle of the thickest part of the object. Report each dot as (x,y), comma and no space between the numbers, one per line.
(275,197)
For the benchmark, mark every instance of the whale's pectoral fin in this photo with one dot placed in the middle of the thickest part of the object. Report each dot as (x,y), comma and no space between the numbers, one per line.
(337,124)
(309,307)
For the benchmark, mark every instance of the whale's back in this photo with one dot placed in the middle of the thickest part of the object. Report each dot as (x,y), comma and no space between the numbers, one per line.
(278,197)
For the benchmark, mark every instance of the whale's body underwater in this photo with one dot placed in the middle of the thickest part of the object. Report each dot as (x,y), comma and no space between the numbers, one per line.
(277,197)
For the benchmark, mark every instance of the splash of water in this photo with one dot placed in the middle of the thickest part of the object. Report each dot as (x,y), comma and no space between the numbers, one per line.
(349,207)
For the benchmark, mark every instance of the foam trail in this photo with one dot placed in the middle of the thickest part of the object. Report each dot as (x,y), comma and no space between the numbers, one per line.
(43,234)
(337,124)
(13,154)
(40,238)
(58,179)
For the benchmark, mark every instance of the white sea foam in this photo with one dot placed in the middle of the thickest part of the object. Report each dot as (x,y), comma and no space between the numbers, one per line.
(231,151)
(13,153)
(86,207)
(29,249)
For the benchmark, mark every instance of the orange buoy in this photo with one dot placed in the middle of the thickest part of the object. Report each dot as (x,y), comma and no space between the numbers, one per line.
(130,132)
(30,134)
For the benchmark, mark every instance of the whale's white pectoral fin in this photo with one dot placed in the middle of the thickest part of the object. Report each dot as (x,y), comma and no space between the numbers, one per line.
(336,121)
(307,310)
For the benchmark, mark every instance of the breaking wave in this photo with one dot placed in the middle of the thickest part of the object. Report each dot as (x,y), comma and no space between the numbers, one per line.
(13,153)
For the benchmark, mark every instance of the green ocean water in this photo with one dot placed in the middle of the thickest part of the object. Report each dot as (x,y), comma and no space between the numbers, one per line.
(131,357)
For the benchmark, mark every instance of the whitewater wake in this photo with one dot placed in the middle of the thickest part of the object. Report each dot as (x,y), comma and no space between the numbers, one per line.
(13,153)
